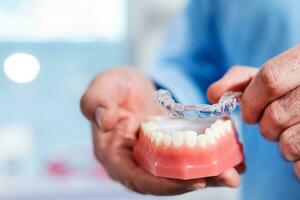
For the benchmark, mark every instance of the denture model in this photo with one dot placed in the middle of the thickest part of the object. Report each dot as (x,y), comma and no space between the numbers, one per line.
(187,149)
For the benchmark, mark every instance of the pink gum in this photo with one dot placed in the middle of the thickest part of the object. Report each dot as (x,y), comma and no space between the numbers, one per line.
(189,162)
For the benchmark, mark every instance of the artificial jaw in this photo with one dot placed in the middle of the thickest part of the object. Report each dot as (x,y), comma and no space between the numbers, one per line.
(187,149)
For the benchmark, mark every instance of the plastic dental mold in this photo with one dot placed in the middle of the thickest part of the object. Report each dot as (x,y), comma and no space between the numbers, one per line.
(187,149)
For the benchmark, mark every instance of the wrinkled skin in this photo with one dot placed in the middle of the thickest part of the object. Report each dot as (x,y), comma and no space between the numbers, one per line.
(271,97)
(115,103)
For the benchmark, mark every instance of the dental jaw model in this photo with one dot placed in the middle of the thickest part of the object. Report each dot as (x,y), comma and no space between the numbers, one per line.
(181,148)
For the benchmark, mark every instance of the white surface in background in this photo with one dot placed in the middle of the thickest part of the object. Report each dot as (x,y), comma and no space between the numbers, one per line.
(68,20)
(74,189)
(15,142)
(21,67)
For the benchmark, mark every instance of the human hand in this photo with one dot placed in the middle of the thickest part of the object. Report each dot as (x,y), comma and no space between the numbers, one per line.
(115,103)
(271,97)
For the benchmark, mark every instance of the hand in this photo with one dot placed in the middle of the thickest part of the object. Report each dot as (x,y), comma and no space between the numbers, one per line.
(115,103)
(272,98)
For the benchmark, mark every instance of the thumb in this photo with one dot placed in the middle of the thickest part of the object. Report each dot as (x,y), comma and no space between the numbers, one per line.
(106,118)
(101,102)
(236,79)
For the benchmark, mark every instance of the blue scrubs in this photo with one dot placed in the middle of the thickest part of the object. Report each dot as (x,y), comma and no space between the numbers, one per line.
(206,40)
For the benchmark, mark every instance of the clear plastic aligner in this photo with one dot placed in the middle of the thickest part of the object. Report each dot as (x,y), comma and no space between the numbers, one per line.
(224,107)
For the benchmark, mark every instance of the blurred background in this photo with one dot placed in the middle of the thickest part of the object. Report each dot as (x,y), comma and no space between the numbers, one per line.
(49,52)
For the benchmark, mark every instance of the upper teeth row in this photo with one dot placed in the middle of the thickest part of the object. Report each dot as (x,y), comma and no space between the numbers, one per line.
(190,138)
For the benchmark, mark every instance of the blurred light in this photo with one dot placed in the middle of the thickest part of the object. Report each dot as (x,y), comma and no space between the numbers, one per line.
(67,20)
(21,67)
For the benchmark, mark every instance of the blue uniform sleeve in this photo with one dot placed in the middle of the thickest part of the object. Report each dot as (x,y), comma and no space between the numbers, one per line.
(191,57)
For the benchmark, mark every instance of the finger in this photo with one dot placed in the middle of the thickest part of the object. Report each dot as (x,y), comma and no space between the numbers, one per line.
(280,114)
(297,169)
(127,125)
(101,143)
(121,167)
(107,94)
(164,186)
(106,118)
(149,184)
(277,76)
(229,178)
(236,79)
(241,168)
(289,143)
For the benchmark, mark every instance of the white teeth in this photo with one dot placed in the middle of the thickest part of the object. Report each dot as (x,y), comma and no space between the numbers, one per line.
(190,138)
(228,125)
(211,139)
(153,135)
(217,129)
(150,127)
(144,127)
(202,140)
(177,139)
(210,134)
(166,139)
(158,138)
(223,132)
(219,121)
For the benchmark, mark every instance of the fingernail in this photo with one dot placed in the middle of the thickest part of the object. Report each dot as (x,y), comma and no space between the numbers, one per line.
(98,117)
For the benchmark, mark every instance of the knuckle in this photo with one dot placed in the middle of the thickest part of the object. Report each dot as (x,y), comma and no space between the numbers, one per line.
(97,155)
(272,121)
(265,131)
(290,146)
(275,114)
(247,110)
(83,102)
(270,79)
(262,128)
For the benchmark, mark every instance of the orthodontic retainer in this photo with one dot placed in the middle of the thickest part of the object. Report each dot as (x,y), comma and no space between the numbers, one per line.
(225,107)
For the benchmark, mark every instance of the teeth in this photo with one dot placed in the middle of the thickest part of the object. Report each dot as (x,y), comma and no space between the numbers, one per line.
(217,129)
(177,139)
(166,139)
(153,136)
(219,121)
(228,125)
(144,128)
(211,139)
(223,132)
(202,140)
(150,127)
(210,134)
(158,138)
(190,138)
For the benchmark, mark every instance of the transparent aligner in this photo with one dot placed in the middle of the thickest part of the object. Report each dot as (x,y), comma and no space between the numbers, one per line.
(224,107)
